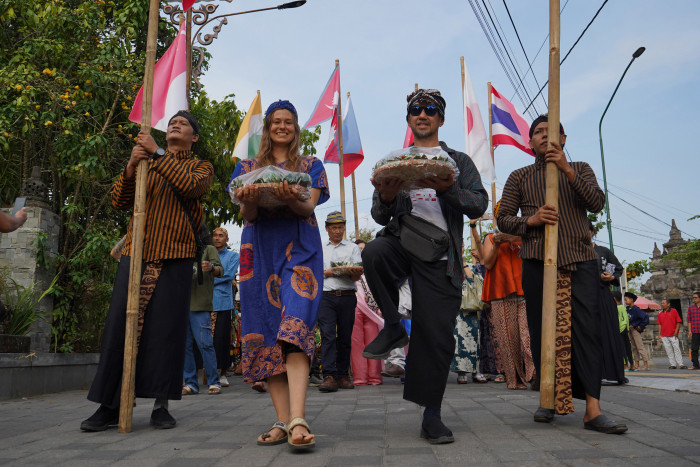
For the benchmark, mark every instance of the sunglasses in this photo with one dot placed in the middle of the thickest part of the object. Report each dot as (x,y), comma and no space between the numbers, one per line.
(430,110)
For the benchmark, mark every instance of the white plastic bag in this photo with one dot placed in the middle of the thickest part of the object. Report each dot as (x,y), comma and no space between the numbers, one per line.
(414,163)
(268,177)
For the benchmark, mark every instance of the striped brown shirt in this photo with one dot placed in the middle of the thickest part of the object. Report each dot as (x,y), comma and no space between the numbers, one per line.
(525,191)
(169,234)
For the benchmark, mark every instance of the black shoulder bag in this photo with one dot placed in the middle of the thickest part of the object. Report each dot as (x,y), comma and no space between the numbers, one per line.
(422,239)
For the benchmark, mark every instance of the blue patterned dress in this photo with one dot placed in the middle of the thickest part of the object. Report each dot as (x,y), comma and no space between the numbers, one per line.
(281,279)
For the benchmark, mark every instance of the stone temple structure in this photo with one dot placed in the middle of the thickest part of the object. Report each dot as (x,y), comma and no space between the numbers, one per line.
(668,281)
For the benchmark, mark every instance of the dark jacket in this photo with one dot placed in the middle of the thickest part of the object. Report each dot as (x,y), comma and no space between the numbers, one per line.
(605,257)
(466,196)
(637,317)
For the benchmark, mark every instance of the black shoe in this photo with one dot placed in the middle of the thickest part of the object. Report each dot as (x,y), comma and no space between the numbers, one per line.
(543,415)
(383,344)
(435,431)
(102,419)
(604,425)
(161,419)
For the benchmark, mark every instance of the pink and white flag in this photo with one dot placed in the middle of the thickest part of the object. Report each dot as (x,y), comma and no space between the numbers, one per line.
(408,139)
(328,101)
(509,127)
(477,143)
(169,85)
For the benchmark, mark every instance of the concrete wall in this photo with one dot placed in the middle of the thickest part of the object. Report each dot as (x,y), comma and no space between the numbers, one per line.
(24,376)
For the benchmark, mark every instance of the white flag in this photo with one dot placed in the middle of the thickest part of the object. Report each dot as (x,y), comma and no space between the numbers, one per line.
(477,142)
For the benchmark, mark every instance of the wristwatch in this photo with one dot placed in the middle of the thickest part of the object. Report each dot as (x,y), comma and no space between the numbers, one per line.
(159,152)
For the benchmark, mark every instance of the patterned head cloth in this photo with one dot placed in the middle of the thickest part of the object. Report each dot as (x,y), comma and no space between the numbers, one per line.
(335,218)
(426,96)
(282,105)
(190,118)
(543,118)
(222,230)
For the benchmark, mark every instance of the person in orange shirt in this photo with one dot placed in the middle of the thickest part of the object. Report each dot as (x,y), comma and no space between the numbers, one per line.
(504,291)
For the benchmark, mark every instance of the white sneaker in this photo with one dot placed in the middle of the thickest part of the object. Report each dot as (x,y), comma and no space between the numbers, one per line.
(224,381)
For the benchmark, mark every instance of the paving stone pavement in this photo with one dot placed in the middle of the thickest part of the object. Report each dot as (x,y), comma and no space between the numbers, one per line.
(370,425)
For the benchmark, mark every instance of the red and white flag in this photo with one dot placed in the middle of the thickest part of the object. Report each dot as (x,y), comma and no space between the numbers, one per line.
(187,4)
(477,143)
(169,85)
(352,146)
(325,107)
(408,139)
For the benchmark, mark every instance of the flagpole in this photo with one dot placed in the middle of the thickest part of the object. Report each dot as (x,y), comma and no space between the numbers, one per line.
(138,225)
(354,201)
(491,148)
(464,105)
(340,149)
(188,37)
(551,232)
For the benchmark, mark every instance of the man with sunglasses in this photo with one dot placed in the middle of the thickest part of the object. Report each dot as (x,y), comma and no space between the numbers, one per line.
(437,285)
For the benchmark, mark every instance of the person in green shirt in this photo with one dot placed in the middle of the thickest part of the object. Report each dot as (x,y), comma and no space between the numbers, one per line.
(200,327)
(624,330)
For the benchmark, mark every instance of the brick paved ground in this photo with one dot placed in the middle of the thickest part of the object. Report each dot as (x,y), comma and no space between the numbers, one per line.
(368,426)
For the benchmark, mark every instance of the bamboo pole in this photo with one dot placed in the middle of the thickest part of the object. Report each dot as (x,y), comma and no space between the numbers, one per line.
(464,104)
(354,201)
(137,233)
(188,38)
(551,232)
(491,148)
(340,150)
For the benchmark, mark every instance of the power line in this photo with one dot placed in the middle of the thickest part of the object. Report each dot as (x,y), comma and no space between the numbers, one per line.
(646,213)
(623,247)
(538,53)
(638,234)
(571,49)
(522,47)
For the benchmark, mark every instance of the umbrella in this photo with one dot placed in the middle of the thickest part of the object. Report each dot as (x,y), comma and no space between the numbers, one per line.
(644,303)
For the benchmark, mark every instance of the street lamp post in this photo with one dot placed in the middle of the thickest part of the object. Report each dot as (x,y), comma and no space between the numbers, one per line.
(635,55)
(200,17)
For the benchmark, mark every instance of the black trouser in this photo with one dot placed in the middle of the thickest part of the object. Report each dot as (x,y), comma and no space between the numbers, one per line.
(434,313)
(222,339)
(161,354)
(586,357)
(694,346)
(629,360)
(336,318)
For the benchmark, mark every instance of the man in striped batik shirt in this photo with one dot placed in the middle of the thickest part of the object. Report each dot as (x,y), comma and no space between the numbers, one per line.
(578,321)
(176,183)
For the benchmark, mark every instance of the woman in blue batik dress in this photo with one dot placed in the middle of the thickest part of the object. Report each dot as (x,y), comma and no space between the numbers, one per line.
(281,276)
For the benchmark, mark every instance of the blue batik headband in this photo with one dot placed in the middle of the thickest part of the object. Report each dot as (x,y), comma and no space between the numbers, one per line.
(282,105)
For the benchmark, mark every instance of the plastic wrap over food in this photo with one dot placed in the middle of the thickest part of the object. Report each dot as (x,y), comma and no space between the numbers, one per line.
(414,163)
(344,266)
(268,177)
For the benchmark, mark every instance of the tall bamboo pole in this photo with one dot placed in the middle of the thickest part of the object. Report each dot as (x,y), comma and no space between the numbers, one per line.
(551,232)
(354,201)
(340,149)
(138,224)
(493,160)
(188,48)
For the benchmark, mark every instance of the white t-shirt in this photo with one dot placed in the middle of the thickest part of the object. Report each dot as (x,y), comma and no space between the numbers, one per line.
(426,206)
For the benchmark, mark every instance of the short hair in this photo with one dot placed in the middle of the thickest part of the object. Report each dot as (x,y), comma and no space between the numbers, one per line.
(359,240)
(617,295)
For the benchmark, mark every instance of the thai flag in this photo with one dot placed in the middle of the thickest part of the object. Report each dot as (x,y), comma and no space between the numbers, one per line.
(169,85)
(509,127)
(352,146)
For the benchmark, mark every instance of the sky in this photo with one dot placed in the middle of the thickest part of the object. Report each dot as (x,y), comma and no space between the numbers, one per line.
(387,46)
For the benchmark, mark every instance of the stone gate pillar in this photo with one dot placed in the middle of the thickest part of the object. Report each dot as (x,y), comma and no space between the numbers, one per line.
(18,253)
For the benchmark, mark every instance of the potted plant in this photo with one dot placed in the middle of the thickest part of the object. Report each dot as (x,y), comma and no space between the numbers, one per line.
(17,314)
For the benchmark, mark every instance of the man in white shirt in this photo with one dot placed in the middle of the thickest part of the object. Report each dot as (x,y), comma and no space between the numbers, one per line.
(336,316)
